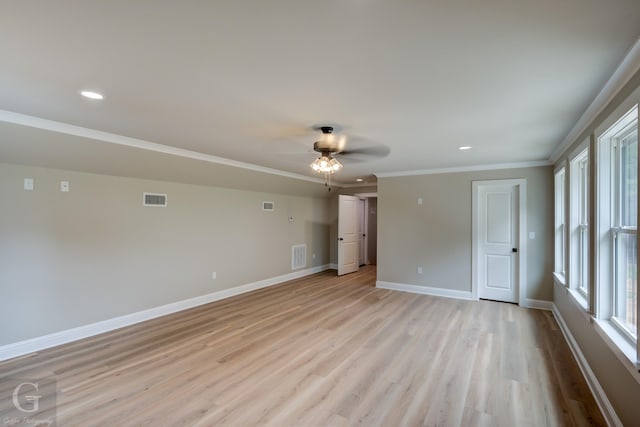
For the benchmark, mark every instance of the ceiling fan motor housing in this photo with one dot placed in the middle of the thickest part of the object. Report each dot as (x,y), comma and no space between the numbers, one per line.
(327,144)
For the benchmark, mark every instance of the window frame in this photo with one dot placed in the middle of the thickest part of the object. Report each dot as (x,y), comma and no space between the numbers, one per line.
(579,224)
(618,227)
(607,227)
(560,229)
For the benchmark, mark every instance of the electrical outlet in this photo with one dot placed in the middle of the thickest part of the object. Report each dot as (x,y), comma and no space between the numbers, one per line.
(214,275)
(419,270)
(419,200)
(64,186)
(313,256)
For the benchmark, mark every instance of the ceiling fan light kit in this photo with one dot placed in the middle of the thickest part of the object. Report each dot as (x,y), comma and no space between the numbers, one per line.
(326,163)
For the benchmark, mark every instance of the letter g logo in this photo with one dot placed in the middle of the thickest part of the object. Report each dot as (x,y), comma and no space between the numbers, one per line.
(34,399)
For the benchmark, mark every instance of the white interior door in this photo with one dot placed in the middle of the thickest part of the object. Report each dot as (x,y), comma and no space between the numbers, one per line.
(497,241)
(347,234)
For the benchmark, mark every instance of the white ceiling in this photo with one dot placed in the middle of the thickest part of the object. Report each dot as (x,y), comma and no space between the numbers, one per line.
(247,80)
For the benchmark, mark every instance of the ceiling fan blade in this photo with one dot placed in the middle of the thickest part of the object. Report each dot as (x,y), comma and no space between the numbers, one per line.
(378,151)
(341,143)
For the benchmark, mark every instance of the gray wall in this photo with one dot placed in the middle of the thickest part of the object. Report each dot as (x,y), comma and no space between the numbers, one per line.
(622,390)
(69,259)
(437,235)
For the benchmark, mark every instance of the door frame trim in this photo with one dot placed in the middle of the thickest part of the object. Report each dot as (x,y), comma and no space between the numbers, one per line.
(521,183)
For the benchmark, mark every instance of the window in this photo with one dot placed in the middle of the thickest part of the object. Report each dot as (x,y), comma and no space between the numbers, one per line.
(579,209)
(560,243)
(624,232)
(617,225)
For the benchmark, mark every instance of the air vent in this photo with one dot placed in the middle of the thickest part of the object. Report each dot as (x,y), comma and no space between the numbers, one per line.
(298,256)
(268,206)
(154,199)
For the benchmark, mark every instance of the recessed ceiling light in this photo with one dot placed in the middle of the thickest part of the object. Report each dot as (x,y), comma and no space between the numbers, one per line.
(359,179)
(91,95)
(464,147)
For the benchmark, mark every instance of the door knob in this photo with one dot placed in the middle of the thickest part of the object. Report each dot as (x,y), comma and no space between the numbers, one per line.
(514,250)
(340,238)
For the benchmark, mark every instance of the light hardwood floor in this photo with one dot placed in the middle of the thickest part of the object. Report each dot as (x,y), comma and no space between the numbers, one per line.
(319,351)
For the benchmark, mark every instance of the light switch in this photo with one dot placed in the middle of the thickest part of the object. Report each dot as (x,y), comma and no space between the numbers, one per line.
(419,200)
(28,183)
(64,186)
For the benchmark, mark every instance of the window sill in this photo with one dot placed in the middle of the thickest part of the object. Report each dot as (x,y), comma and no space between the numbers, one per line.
(559,278)
(579,299)
(623,350)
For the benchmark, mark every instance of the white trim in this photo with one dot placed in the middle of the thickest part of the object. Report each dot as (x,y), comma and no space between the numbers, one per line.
(68,129)
(424,290)
(521,183)
(516,165)
(558,166)
(360,184)
(579,299)
(366,195)
(562,281)
(605,406)
(573,210)
(538,304)
(31,345)
(627,68)
(333,266)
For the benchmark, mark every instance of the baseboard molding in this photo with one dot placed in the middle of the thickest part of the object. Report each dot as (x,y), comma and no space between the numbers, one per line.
(333,266)
(31,345)
(607,410)
(538,304)
(424,290)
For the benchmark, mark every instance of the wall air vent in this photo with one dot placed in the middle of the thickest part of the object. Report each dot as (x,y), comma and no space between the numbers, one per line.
(298,256)
(154,199)
(268,206)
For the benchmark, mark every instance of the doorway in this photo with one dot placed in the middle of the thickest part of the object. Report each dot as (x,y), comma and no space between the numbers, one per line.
(369,220)
(357,231)
(499,240)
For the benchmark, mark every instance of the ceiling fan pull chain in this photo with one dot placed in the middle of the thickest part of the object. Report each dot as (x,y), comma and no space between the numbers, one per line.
(327,181)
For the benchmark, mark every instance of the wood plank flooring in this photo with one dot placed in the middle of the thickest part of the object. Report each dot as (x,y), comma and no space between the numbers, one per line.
(318,351)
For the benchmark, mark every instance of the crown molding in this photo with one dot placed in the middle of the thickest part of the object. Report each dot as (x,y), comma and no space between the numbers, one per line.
(360,184)
(625,71)
(517,165)
(65,128)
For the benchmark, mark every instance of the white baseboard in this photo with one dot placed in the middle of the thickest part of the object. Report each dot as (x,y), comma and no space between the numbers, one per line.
(333,266)
(425,290)
(57,338)
(607,410)
(538,304)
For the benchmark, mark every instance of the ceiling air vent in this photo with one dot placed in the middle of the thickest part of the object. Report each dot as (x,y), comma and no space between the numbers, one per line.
(154,199)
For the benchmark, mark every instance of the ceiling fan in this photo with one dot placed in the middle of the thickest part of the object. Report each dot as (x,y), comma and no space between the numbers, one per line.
(332,146)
